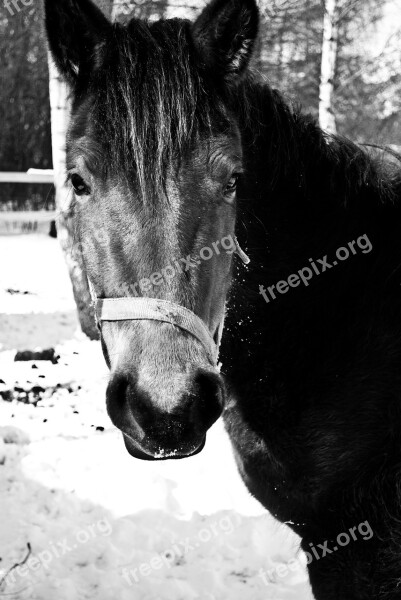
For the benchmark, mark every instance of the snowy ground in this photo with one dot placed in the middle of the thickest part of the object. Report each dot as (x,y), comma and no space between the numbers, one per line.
(92,522)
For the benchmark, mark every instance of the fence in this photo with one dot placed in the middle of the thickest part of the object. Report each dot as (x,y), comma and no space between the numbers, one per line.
(32,211)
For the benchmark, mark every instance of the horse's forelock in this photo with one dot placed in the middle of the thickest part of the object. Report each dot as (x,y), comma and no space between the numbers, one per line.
(149,101)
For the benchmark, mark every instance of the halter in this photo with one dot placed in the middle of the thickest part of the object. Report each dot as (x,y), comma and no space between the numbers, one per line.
(154,309)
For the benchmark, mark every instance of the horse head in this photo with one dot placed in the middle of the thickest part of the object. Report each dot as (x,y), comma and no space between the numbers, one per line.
(154,159)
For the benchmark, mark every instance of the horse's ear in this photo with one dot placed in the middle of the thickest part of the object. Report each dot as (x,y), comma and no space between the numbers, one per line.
(75,30)
(224,34)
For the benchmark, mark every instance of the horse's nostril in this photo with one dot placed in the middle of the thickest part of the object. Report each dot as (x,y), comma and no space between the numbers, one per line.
(117,390)
(209,391)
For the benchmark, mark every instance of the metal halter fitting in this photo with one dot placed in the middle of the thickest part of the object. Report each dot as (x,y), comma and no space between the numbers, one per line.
(154,309)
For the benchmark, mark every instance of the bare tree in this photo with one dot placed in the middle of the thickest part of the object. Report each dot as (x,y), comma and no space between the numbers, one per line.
(327,118)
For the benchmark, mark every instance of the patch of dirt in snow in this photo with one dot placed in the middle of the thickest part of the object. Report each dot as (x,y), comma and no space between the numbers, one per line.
(101,525)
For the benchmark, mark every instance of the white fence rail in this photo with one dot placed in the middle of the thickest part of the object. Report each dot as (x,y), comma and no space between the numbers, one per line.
(20,222)
(31,176)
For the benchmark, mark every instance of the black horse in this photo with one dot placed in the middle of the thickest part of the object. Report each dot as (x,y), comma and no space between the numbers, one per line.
(175,146)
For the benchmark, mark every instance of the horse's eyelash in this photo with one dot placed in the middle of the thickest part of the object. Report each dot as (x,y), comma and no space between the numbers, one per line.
(69,175)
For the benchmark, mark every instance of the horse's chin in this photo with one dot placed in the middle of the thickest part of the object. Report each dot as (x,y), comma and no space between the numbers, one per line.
(143,454)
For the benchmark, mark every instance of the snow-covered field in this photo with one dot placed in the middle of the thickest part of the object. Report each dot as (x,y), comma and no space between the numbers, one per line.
(92,522)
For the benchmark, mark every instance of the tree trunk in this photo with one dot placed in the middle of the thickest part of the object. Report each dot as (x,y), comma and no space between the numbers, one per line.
(60,108)
(327,118)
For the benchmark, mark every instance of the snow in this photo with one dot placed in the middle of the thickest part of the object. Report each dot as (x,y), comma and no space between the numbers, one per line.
(91,521)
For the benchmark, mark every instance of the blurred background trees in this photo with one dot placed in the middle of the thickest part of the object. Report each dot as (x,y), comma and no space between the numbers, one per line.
(367,75)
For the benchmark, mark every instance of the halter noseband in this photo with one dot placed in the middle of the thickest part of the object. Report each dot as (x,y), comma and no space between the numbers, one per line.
(154,309)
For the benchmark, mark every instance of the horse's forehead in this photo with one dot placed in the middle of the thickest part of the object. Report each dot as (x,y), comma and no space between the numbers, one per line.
(210,154)
(225,146)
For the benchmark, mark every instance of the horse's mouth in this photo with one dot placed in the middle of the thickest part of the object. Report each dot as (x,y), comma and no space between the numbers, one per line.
(161,454)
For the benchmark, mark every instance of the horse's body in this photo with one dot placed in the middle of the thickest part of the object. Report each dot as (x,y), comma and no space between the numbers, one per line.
(313,373)
(315,415)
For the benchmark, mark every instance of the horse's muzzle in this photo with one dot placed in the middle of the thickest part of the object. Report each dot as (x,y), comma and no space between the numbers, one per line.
(151,431)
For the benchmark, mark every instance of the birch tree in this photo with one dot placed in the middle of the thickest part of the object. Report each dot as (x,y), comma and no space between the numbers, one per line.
(327,118)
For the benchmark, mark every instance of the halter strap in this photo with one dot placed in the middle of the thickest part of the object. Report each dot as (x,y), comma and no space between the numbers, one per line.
(153,309)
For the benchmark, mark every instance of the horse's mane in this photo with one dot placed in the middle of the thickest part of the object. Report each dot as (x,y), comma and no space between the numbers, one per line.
(364,169)
(295,147)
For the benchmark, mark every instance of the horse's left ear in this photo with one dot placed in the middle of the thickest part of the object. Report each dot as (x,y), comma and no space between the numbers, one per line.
(224,35)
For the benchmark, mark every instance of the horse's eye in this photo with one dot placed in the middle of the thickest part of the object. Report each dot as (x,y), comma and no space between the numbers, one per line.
(231,185)
(79,185)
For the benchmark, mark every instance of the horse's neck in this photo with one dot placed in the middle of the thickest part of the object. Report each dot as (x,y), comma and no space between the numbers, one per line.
(297,185)
(299,179)
(282,148)
(304,198)
(285,156)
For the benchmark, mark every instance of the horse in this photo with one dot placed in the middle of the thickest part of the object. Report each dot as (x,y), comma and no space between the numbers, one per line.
(182,161)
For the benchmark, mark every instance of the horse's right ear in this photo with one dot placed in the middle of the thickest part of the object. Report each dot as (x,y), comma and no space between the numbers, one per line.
(224,35)
(75,30)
